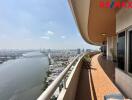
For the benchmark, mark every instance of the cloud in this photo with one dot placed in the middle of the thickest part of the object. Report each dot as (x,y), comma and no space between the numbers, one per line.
(49,33)
(63,37)
(45,37)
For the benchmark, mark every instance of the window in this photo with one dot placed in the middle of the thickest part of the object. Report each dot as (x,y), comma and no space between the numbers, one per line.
(121,50)
(130,52)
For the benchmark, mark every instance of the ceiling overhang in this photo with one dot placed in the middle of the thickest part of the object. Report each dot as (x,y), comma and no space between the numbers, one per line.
(94,23)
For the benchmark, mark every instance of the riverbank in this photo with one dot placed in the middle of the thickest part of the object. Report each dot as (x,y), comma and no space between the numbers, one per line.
(26,78)
(6,55)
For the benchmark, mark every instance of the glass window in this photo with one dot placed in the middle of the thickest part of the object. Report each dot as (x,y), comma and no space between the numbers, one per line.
(130,52)
(121,50)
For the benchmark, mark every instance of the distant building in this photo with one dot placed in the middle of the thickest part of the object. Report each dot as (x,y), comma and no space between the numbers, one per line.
(49,50)
(88,50)
(83,50)
(78,51)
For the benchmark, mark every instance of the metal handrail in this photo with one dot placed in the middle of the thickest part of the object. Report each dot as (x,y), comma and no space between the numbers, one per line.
(46,95)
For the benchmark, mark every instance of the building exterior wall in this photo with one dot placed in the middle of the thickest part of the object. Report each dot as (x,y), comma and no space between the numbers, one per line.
(123,80)
(123,19)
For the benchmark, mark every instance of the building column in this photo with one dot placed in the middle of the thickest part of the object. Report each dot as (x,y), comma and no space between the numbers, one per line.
(111,47)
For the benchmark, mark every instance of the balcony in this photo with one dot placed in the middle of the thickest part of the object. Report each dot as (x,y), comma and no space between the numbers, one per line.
(93,83)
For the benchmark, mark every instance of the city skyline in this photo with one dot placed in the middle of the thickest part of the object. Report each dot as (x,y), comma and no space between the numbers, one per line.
(35,24)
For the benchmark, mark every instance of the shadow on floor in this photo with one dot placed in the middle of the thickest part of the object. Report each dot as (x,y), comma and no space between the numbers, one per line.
(108,67)
(86,90)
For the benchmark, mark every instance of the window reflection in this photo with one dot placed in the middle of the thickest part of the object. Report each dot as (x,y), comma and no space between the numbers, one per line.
(130,52)
(121,50)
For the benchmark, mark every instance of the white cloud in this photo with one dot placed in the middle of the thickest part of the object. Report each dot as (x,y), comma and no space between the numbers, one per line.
(45,37)
(50,33)
(63,37)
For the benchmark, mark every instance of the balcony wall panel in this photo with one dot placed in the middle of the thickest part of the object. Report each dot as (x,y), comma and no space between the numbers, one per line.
(71,84)
(124,82)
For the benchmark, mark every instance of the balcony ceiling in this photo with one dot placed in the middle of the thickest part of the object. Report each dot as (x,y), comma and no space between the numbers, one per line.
(94,23)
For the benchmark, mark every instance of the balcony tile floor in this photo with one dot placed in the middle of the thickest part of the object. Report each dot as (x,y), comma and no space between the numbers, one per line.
(98,81)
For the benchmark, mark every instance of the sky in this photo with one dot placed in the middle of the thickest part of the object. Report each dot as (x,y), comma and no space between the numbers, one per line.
(35,24)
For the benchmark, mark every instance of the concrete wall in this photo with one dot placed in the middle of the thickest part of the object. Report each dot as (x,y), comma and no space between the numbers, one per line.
(124,82)
(71,84)
(123,21)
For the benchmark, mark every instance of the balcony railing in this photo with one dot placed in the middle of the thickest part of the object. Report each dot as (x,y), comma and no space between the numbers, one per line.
(82,83)
(48,93)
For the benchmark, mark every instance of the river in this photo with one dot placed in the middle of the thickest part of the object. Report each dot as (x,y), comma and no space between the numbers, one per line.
(22,79)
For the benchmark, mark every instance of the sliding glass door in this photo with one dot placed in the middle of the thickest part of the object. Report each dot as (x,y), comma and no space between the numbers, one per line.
(124,51)
(121,50)
(130,52)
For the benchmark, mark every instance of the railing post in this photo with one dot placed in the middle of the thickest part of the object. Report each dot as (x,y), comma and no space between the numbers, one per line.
(64,82)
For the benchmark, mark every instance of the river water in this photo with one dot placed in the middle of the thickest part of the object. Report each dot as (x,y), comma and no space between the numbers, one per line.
(22,79)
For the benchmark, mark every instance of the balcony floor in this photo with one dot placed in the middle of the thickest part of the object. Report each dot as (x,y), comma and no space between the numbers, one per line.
(98,81)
